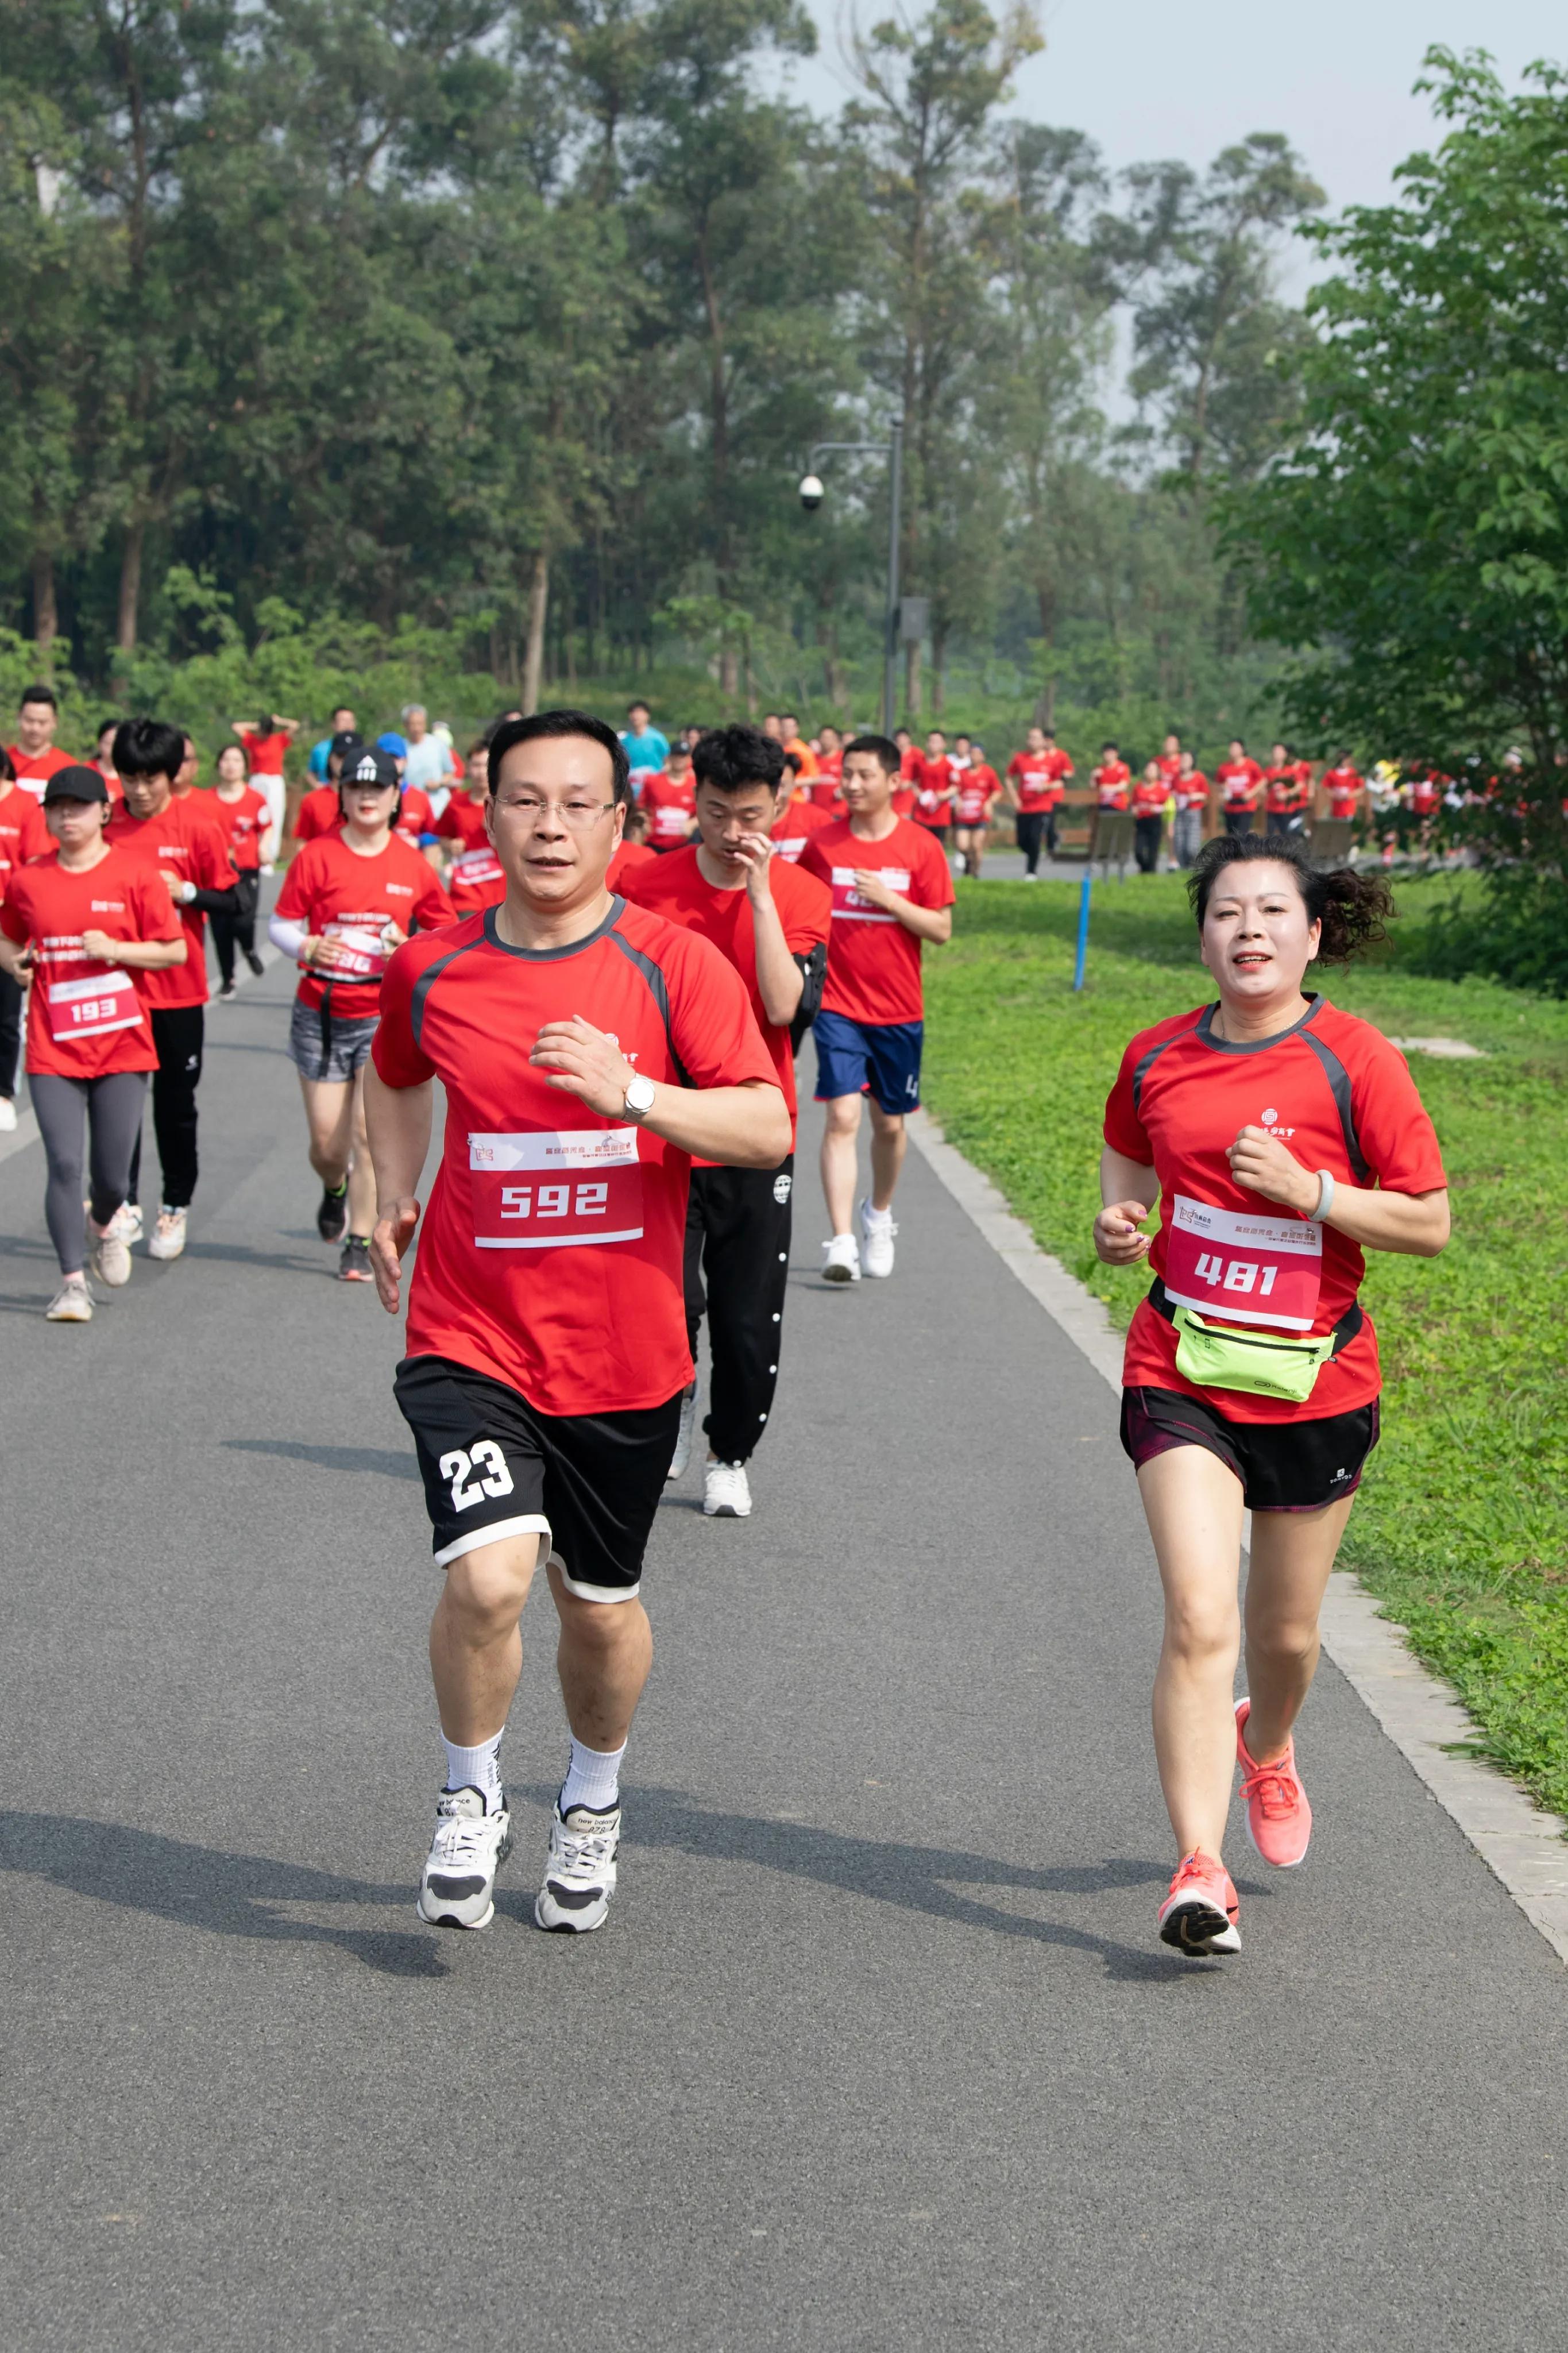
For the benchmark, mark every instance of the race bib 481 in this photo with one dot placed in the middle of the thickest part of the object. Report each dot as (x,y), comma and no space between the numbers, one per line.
(1228,1265)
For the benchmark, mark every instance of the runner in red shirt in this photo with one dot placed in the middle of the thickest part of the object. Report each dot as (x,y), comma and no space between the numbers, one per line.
(349,898)
(474,878)
(771,922)
(588,1049)
(103,757)
(1288,791)
(1111,780)
(265,747)
(1150,795)
(1036,777)
(935,789)
(1282,1138)
(33,756)
(635,849)
(822,788)
(186,844)
(668,797)
(1344,785)
(979,790)
(797,819)
(248,819)
(1170,762)
(80,926)
(23,835)
(1240,781)
(891,892)
(1192,795)
(320,809)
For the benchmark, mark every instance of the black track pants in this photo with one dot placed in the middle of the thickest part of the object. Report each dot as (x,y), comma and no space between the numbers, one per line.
(737,1239)
(177,1033)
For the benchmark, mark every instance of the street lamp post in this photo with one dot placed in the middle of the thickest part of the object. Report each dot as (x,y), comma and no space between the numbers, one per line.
(811,497)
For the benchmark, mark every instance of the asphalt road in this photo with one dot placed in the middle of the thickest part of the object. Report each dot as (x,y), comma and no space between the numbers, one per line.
(878,2049)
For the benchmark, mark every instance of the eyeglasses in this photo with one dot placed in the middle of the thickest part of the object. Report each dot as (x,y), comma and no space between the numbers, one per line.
(581,816)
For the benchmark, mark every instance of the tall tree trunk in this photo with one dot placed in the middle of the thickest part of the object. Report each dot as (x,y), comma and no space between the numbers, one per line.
(46,612)
(912,680)
(729,673)
(937,672)
(537,608)
(130,587)
(1045,702)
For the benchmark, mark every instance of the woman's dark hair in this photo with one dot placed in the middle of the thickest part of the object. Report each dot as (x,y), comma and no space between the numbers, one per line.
(1353,909)
(731,758)
(554,723)
(7,772)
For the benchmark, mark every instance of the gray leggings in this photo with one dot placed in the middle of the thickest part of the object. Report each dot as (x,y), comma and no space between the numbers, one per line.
(65,1109)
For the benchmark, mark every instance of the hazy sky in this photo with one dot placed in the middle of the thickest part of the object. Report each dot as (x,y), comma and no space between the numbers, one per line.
(1148,79)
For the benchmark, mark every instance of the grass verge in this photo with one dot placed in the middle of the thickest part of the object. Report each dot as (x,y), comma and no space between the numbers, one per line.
(1461,1529)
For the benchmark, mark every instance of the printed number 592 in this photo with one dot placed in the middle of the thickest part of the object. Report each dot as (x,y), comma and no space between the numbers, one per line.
(486,1456)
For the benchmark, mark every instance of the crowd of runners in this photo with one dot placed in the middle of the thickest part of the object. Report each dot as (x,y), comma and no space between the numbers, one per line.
(609,948)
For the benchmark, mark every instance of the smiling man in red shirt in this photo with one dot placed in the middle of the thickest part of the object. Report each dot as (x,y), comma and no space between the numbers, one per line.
(588,1050)
(34,758)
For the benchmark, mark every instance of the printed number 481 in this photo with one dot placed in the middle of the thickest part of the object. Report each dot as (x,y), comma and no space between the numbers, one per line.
(1240,1275)
(486,1456)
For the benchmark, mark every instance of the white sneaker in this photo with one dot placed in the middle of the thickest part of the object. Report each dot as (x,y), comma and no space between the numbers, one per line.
(127,1221)
(683,1454)
(580,1871)
(7,1115)
(726,1495)
(877,1230)
(841,1259)
(169,1238)
(457,1890)
(110,1254)
(72,1303)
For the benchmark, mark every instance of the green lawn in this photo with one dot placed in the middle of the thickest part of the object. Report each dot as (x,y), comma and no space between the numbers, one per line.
(1461,1528)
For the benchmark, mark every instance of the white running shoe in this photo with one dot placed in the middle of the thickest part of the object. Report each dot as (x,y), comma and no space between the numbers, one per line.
(683,1454)
(457,1890)
(7,1115)
(110,1254)
(841,1259)
(169,1236)
(876,1248)
(72,1303)
(726,1494)
(127,1221)
(580,1871)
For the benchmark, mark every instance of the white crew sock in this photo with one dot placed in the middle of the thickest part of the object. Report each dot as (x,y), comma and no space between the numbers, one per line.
(875,1217)
(476,1769)
(593,1777)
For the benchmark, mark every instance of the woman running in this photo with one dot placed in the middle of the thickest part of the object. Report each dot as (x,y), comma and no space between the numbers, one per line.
(474,879)
(245,816)
(1282,1138)
(80,925)
(979,790)
(349,899)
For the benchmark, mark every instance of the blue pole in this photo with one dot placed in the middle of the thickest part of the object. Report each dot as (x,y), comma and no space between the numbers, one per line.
(1082,930)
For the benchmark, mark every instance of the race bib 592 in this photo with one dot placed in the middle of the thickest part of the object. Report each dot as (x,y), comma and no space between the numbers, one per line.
(555,1190)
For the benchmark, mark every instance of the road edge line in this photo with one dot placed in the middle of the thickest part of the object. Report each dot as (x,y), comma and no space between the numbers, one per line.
(1524,1846)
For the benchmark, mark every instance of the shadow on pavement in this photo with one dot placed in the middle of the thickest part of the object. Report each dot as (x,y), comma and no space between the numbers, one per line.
(203,1887)
(380,1459)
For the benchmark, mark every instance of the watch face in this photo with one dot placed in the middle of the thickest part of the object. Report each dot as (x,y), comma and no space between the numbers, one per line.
(639,1095)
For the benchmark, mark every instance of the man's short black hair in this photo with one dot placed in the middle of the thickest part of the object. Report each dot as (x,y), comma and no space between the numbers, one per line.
(39,693)
(883,750)
(549,724)
(639,705)
(148,747)
(1110,747)
(731,758)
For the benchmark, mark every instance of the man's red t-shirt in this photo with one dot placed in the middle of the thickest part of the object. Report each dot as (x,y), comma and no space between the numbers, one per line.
(415,815)
(245,821)
(1338,1096)
(628,857)
(317,814)
(1426,792)
(1110,782)
(23,832)
(476,880)
(337,893)
(1038,779)
(823,786)
(675,887)
(34,769)
(1150,795)
(792,831)
(1191,790)
(265,753)
(873,963)
(1240,781)
(551,1254)
(670,807)
(87,1018)
(934,781)
(976,784)
(186,844)
(1344,787)
(1170,766)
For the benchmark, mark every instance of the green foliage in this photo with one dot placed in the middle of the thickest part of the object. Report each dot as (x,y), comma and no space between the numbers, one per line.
(1461,1527)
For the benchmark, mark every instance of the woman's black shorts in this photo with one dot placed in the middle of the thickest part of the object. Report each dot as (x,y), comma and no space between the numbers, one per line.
(1283,1466)
(494,1467)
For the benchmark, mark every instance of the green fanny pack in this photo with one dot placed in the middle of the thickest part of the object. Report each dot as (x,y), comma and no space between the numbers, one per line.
(1264,1364)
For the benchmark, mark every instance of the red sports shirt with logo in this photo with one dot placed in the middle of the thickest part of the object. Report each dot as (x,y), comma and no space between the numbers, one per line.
(186,844)
(1338,1096)
(1038,779)
(1150,795)
(339,895)
(977,785)
(1344,787)
(823,786)
(1290,788)
(550,1256)
(873,963)
(87,1018)
(476,880)
(670,806)
(792,831)
(34,769)
(675,887)
(1110,782)
(23,832)
(245,821)
(1240,781)
(933,780)
(627,856)
(1191,790)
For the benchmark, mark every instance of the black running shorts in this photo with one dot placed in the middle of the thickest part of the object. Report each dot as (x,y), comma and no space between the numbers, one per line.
(1283,1466)
(494,1467)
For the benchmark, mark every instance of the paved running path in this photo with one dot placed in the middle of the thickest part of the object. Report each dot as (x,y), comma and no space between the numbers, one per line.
(877,2050)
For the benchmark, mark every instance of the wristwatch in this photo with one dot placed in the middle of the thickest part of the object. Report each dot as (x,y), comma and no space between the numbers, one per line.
(640,1097)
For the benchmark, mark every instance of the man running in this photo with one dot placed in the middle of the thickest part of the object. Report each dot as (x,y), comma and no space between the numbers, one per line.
(33,756)
(1150,795)
(891,892)
(823,786)
(771,922)
(1037,778)
(935,789)
(1191,795)
(248,825)
(645,749)
(979,790)
(587,1051)
(1343,784)
(1240,781)
(184,842)
(322,810)
(669,799)
(429,768)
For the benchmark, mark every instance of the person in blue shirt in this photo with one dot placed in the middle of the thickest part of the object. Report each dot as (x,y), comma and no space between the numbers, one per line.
(343,724)
(645,747)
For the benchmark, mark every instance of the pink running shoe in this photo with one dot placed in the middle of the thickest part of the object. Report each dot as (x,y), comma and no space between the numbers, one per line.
(1279,1819)
(1199,1914)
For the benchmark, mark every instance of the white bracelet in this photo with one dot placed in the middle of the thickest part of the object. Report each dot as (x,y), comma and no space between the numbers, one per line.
(1325,1197)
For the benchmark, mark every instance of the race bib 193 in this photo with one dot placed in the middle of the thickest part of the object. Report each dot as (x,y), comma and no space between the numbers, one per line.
(86,1008)
(1228,1265)
(551,1190)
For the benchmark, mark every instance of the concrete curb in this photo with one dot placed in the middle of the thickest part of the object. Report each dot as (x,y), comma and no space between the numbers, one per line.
(1523,1845)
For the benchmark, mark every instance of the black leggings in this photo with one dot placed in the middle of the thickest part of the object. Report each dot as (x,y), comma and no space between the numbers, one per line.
(737,1233)
(1032,825)
(10,1033)
(67,1109)
(236,930)
(1146,833)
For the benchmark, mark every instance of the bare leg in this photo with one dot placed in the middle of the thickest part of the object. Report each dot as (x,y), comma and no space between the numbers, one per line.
(1292,1553)
(888,1145)
(1193,1506)
(602,1658)
(362,1172)
(329,1115)
(475,1645)
(840,1166)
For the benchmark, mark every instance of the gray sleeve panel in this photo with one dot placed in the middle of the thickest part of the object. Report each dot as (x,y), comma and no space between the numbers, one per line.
(1146,1065)
(423,985)
(657,989)
(1339,1080)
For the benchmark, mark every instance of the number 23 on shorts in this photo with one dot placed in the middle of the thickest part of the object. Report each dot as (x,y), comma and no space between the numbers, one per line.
(484,1456)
